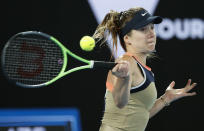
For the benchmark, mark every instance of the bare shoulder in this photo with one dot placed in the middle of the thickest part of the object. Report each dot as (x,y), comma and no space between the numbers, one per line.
(130,59)
(126,58)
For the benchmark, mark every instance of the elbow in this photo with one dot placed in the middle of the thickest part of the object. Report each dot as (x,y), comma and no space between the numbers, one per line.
(121,103)
(120,99)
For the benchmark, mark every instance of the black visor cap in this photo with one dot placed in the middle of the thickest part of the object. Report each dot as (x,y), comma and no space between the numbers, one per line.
(141,19)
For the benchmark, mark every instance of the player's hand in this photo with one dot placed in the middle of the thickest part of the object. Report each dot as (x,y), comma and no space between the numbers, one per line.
(172,94)
(122,69)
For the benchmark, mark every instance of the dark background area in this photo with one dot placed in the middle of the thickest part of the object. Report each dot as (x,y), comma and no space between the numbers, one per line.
(68,21)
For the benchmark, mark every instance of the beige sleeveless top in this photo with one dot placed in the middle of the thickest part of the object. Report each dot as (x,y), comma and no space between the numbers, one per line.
(135,115)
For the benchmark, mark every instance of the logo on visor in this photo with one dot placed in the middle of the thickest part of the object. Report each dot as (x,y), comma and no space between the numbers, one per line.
(144,14)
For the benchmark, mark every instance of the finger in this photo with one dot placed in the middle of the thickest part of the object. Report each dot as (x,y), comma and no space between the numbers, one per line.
(122,62)
(191,87)
(114,70)
(189,82)
(124,69)
(120,70)
(194,84)
(171,85)
(190,94)
(121,67)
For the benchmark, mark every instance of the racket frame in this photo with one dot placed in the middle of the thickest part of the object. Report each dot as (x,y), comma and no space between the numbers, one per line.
(64,50)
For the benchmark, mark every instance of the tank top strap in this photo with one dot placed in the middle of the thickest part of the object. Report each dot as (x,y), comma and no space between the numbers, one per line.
(145,66)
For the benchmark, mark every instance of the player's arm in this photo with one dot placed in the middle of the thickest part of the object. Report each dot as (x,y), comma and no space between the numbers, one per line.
(171,95)
(121,79)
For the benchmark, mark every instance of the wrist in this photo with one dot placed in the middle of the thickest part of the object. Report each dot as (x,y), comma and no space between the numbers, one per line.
(164,100)
(125,78)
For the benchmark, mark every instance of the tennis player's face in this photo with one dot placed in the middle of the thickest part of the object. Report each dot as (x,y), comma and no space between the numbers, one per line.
(143,40)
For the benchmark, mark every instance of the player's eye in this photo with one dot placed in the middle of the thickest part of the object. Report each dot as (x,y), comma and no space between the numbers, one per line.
(142,29)
(152,26)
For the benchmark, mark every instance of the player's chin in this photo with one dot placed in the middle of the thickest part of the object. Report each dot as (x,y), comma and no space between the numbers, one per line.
(151,46)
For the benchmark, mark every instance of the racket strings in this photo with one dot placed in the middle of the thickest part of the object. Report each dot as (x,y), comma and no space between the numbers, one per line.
(33,61)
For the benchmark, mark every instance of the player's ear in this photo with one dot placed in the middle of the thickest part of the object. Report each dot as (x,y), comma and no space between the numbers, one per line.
(126,39)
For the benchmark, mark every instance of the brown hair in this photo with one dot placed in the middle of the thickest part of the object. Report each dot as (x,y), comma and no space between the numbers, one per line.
(112,24)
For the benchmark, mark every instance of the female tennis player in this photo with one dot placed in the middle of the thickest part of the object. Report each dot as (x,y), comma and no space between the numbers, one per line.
(131,96)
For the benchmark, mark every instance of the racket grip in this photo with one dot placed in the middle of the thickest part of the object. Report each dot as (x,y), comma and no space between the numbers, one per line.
(103,64)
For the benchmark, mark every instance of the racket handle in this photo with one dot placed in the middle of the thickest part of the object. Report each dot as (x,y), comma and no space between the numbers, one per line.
(103,64)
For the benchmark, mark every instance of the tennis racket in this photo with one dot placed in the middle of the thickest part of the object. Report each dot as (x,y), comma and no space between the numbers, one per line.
(34,59)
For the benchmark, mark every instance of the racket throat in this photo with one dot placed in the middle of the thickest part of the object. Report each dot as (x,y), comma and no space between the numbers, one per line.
(91,64)
(102,64)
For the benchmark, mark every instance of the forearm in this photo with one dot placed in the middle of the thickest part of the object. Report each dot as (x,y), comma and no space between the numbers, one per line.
(171,95)
(121,91)
(158,106)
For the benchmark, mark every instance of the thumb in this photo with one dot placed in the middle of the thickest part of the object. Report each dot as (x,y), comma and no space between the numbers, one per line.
(171,85)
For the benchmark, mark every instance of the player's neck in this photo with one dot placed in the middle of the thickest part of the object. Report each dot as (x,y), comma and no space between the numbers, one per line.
(140,57)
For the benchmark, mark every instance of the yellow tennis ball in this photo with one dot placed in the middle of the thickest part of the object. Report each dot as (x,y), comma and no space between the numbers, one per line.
(87,43)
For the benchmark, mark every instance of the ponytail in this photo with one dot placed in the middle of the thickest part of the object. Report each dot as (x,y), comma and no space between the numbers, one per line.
(109,26)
